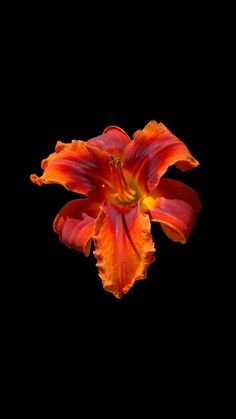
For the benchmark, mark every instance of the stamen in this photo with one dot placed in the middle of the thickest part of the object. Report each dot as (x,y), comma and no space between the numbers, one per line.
(124,193)
(114,177)
(126,186)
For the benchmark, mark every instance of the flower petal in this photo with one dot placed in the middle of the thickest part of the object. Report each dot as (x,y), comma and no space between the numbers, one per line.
(76,166)
(75,223)
(124,247)
(153,150)
(113,140)
(175,205)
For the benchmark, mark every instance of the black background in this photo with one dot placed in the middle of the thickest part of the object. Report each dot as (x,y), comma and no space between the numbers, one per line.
(52,295)
(53,292)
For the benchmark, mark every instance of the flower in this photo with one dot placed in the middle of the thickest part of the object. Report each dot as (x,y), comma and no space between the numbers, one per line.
(122,179)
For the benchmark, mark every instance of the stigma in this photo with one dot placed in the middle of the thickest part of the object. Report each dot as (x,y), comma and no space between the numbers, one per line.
(122,194)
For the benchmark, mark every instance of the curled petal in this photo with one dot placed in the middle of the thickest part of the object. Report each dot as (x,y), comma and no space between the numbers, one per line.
(124,247)
(153,150)
(76,166)
(113,140)
(75,223)
(175,205)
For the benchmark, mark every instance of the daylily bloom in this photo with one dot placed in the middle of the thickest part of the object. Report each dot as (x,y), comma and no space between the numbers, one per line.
(122,179)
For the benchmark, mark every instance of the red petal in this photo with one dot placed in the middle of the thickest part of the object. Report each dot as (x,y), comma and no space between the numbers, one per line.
(153,150)
(124,247)
(75,223)
(113,140)
(175,205)
(78,167)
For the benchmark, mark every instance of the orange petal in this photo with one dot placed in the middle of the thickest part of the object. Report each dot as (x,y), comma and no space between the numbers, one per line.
(153,150)
(78,167)
(175,205)
(75,223)
(124,247)
(113,140)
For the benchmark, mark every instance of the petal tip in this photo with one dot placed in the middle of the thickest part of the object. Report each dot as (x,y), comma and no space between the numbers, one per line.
(194,162)
(35,179)
(188,164)
(59,146)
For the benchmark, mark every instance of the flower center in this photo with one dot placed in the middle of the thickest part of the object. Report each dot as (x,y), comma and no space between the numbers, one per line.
(122,193)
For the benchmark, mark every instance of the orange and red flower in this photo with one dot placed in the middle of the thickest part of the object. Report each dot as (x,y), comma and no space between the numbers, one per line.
(122,179)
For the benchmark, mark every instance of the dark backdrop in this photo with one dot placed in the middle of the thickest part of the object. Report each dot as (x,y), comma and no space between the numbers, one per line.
(52,293)
(49,289)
